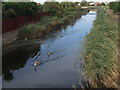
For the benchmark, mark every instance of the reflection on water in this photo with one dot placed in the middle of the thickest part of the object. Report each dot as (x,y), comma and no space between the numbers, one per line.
(17,59)
(58,54)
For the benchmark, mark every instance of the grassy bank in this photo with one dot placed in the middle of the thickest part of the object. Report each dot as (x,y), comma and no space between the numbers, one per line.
(47,24)
(101,53)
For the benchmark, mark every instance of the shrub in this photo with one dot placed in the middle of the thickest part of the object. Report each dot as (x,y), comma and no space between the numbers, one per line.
(102,4)
(115,6)
(61,9)
(19,8)
(53,8)
(84,3)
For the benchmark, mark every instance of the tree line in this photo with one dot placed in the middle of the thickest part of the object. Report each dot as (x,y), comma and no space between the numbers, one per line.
(115,6)
(11,9)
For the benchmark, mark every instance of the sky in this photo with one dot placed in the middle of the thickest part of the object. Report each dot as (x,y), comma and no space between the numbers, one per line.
(42,1)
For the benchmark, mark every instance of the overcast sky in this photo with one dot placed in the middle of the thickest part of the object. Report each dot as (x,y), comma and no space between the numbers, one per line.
(42,1)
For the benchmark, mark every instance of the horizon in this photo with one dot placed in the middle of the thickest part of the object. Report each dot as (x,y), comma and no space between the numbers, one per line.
(42,1)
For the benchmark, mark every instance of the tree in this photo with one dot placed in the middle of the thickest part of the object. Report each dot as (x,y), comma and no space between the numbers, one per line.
(19,8)
(84,3)
(102,4)
(115,6)
(53,8)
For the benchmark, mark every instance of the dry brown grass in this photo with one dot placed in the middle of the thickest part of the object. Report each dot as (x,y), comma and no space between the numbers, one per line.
(115,72)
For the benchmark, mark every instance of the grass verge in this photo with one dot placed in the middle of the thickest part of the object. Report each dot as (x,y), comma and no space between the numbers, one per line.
(101,52)
(46,25)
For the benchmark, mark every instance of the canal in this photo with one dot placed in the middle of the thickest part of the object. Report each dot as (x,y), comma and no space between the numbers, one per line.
(60,69)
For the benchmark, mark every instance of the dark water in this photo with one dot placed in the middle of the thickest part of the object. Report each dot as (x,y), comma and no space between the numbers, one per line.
(61,69)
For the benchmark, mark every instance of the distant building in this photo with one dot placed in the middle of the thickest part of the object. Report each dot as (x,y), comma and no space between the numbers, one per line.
(106,3)
(98,3)
(92,3)
(79,4)
(38,4)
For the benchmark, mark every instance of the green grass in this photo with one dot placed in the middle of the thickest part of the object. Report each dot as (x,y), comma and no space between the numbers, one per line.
(46,25)
(101,47)
(34,30)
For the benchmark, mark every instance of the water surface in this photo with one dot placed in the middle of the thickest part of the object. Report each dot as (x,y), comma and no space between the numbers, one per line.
(61,69)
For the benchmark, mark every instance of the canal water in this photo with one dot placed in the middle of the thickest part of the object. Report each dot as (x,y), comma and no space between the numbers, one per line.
(61,69)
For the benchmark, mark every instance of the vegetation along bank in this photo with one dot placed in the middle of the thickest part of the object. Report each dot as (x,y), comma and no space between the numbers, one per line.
(101,51)
(60,14)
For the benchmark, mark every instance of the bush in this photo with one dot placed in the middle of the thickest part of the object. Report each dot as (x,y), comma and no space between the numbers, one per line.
(61,9)
(115,6)
(102,4)
(53,8)
(19,8)
(84,3)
